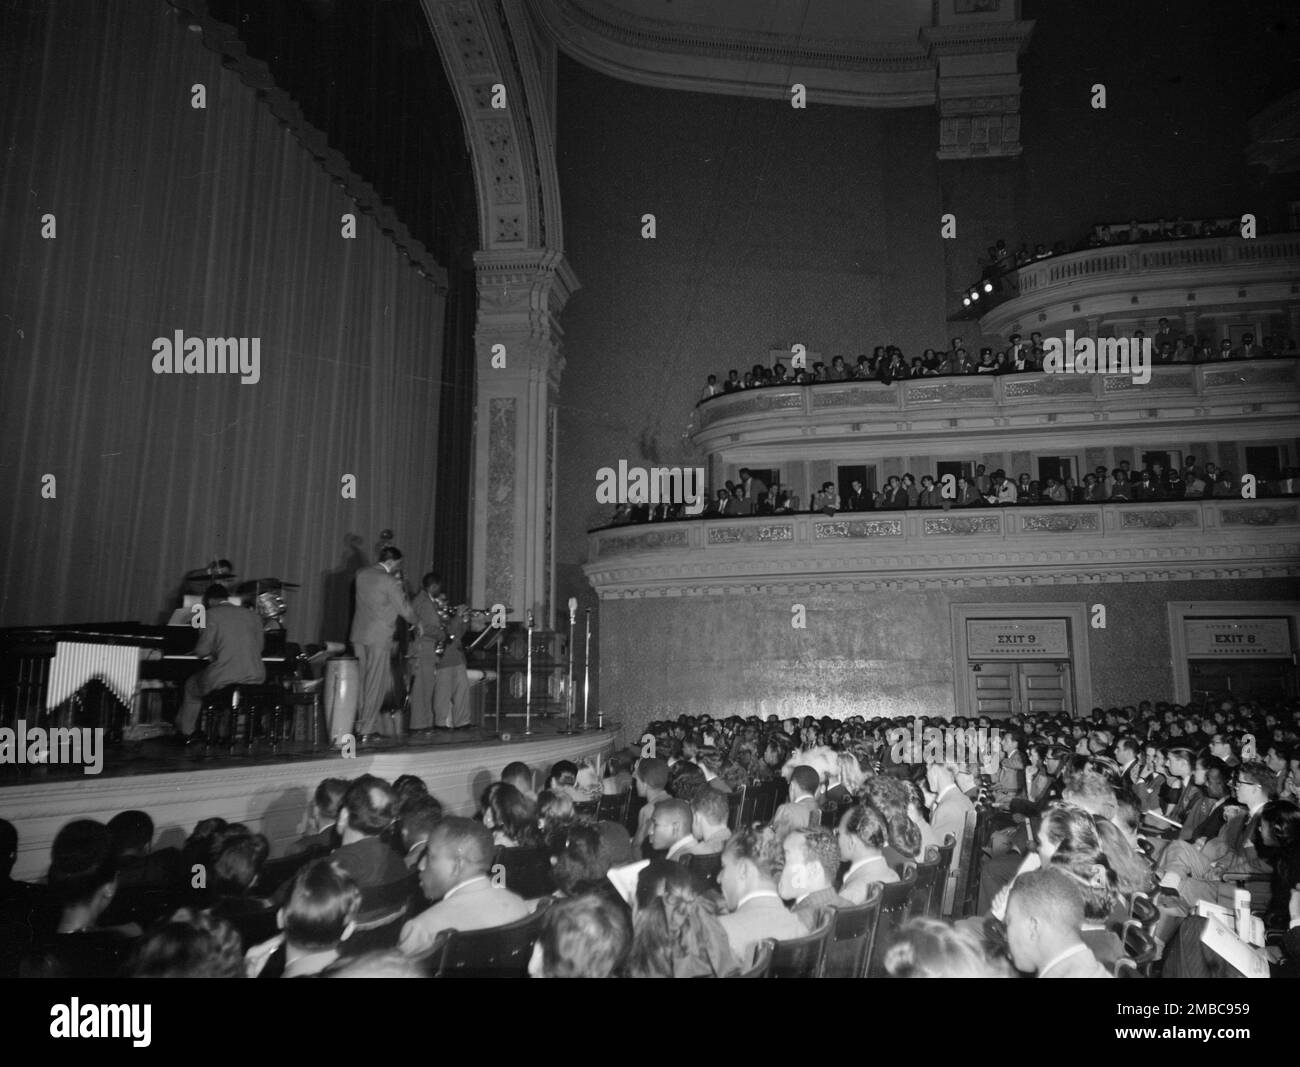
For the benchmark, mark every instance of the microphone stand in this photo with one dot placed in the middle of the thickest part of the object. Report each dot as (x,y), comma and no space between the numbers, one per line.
(586,673)
(569,703)
(528,680)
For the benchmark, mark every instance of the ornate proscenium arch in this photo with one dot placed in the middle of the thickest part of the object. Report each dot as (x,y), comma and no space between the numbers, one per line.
(502,71)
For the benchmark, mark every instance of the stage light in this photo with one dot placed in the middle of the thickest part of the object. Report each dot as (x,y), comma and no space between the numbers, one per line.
(965,301)
(975,293)
(988,287)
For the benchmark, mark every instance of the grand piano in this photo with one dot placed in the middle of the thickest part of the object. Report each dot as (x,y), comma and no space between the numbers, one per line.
(107,674)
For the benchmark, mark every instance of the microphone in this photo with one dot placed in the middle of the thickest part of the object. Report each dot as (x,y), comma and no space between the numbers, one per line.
(573,609)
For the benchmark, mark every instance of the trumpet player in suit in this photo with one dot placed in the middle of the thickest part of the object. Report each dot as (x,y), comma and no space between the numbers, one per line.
(448,681)
(381,598)
(427,607)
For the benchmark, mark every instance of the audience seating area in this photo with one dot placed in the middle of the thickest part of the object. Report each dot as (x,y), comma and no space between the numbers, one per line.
(1096,847)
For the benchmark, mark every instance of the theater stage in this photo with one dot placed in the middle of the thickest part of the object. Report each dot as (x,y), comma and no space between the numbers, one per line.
(268,793)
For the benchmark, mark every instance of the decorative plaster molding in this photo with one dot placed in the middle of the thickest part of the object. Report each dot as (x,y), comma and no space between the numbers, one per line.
(1058,522)
(852,528)
(1260,516)
(731,535)
(965,525)
(1158,520)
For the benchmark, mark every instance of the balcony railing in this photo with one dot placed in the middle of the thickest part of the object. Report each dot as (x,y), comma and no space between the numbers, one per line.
(1181,539)
(1200,385)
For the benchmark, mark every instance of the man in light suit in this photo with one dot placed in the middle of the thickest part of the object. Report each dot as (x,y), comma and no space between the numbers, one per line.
(232,638)
(454,872)
(950,805)
(380,600)
(812,859)
(757,911)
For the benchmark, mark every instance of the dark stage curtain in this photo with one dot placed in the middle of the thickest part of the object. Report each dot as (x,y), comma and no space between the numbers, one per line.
(216,222)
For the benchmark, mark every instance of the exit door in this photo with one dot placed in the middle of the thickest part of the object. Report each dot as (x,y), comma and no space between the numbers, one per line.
(1265,680)
(1028,687)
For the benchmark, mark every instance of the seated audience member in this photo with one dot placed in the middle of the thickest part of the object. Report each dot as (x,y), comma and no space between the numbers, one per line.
(670,829)
(410,789)
(322,834)
(711,766)
(709,816)
(676,932)
(949,805)
(416,823)
(618,776)
(191,945)
(812,860)
(1202,871)
(317,918)
(454,874)
(138,862)
(232,885)
(749,888)
(685,779)
(801,809)
(651,786)
(862,839)
(586,937)
(510,816)
(1206,816)
(1010,782)
(82,881)
(366,816)
(555,812)
(564,779)
(1044,922)
(520,776)
(579,865)
(932,948)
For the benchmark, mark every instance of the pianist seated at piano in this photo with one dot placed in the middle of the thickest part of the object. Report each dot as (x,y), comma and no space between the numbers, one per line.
(232,637)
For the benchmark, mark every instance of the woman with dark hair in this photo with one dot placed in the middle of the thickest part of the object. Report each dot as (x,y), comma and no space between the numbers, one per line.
(509,815)
(579,864)
(233,882)
(675,932)
(890,796)
(189,945)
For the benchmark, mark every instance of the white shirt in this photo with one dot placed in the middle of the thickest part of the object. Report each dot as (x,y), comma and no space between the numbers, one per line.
(457,888)
(684,845)
(1080,947)
(857,865)
(755,895)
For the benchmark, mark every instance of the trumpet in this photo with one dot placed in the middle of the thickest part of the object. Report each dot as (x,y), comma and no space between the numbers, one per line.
(446,613)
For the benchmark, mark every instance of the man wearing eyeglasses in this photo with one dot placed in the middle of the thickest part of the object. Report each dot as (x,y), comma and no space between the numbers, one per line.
(1210,872)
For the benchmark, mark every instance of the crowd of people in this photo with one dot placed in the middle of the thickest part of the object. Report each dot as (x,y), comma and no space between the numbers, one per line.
(1089,821)
(888,364)
(975,487)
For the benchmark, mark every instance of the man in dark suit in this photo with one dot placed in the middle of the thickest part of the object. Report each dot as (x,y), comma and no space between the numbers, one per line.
(1202,870)
(802,808)
(232,639)
(380,600)
(368,811)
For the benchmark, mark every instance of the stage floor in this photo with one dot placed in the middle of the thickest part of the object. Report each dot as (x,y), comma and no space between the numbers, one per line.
(166,755)
(270,793)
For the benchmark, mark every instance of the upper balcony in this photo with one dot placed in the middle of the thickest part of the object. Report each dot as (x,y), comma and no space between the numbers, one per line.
(1213,277)
(1263,396)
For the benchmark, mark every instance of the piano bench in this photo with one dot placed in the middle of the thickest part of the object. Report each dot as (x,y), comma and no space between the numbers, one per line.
(252,700)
